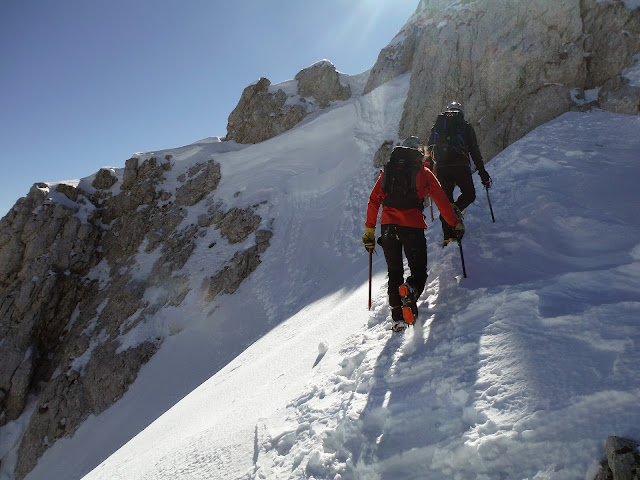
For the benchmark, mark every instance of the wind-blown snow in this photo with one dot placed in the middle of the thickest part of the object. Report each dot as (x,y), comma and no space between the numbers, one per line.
(521,370)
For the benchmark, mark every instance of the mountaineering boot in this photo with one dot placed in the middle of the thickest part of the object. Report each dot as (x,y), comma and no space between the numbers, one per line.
(449,232)
(409,306)
(398,325)
(447,241)
(397,322)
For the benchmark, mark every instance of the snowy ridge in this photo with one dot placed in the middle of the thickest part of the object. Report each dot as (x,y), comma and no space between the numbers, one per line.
(497,381)
(299,179)
(519,371)
(504,381)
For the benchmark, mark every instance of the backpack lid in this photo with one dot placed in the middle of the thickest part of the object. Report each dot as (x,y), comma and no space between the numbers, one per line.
(399,178)
(402,152)
(448,121)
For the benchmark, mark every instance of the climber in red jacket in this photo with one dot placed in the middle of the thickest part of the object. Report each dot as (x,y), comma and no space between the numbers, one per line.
(401,189)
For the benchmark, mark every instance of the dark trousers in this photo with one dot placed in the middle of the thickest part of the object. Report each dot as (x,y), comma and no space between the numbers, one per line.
(449,177)
(393,240)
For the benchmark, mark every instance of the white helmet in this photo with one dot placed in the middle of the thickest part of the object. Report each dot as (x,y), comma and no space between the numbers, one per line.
(455,106)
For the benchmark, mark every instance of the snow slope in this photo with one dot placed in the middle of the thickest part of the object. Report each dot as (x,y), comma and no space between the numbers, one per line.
(300,178)
(520,370)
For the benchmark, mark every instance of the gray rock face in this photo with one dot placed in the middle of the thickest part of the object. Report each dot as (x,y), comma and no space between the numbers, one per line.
(382,155)
(512,73)
(396,58)
(261,114)
(610,39)
(70,287)
(264,113)
(622,462)
(241,265)
(105,179)
(322,82)
(618,96)
(202,180)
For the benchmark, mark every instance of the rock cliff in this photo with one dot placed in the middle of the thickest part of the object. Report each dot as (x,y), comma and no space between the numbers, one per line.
(622,461)
(265,111)
(74,286)
(515,64)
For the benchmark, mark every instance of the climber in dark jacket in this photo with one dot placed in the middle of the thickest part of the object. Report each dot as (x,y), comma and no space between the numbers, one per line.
(452,166)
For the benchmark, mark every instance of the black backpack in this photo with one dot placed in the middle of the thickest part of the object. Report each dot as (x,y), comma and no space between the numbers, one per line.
(448,143)
(399,178)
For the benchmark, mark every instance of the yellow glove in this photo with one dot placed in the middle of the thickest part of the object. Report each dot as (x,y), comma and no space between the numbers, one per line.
(459,229)
(369,239)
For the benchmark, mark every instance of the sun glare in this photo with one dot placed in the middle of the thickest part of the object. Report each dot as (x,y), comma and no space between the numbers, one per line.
(364,21)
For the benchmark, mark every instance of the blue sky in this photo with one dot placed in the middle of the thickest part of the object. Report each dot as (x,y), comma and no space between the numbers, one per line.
(85,84)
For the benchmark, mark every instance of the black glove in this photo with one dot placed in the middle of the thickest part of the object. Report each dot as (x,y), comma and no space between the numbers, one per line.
(485,178)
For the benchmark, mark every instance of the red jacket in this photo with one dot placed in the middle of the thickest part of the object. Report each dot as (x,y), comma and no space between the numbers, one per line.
(427,185)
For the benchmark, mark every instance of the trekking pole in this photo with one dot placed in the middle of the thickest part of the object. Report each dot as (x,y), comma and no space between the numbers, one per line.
(370,267)
(464,270)
(486,187)
(431,207)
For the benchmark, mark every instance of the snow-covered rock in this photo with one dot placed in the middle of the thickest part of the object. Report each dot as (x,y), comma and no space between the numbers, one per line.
(265,111)
(84,265)
(622,462)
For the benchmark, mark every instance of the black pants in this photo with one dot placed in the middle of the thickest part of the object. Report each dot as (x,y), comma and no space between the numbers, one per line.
(393,240)
(449,177)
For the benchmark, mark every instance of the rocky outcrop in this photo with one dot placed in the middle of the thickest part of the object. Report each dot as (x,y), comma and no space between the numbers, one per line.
(618,96)
(321,82)
(382,155)
(397,57)
(72,288)
(265,111)
(511,73)
(105,179)
(262,114)
(622,462)
(241,265)
(610,39)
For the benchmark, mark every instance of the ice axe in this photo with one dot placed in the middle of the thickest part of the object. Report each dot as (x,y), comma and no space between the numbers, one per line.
(486,187)
(370,268)
(464,270)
